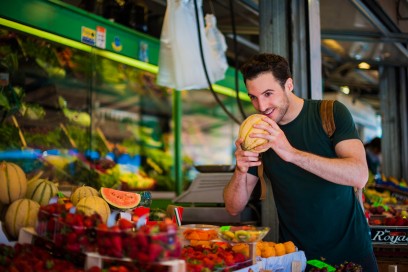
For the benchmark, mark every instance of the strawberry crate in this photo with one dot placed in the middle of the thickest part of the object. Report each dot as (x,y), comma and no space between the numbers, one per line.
(68,228)
(47,218)
(75,238)
(45,226)
(150,243)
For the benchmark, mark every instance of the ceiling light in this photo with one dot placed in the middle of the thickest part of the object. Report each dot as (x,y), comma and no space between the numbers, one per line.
(334,45)
(345,89)
(364,65)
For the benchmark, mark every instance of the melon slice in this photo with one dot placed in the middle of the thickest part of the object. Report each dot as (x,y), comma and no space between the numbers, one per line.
(120,199)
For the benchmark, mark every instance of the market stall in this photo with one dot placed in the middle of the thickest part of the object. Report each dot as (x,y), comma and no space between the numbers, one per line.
(92,230)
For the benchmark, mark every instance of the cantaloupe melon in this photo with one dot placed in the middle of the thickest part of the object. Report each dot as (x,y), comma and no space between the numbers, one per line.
(247,128)
(13,182)
(91,204)
(21,213)
(41,190)
(82,192)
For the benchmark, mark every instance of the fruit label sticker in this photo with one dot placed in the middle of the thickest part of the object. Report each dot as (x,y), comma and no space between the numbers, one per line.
(389,235)
(88,35)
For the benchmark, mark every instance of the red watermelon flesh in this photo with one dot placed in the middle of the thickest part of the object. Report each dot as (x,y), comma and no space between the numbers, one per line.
(120,199)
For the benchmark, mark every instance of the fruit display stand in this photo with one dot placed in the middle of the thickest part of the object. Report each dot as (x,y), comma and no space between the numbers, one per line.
(247,240)
(94,259)
(88,260)
(292,262)
(390,245)
(386,208)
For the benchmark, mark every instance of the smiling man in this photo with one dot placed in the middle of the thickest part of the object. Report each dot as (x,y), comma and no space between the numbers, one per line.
(313,176)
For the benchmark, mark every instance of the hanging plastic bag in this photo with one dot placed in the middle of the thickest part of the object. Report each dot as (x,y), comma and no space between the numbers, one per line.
(217,43)
(180,64)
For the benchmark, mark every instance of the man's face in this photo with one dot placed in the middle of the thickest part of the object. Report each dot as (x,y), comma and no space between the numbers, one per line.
(268,97)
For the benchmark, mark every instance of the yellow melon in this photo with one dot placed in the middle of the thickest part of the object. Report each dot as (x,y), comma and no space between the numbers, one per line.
(94,204)
(21,213)
(82,192)
(247,128)
(41,190)
(13,182)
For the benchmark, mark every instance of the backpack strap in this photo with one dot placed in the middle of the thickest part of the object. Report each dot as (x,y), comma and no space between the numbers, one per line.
(262,180)
(326,113)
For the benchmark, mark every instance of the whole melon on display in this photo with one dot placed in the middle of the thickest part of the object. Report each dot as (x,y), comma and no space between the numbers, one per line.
(41,190)
(13,182)
(120,199)
(247,128)
(82,192)
(94,204)
(21,213)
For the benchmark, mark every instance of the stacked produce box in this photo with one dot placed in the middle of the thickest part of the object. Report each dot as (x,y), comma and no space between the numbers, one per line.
(386,207)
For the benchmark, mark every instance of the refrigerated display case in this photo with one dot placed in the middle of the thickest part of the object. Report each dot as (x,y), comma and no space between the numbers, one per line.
(79,105)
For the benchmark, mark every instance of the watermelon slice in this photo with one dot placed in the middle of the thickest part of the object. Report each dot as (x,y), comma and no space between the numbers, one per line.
(120,199)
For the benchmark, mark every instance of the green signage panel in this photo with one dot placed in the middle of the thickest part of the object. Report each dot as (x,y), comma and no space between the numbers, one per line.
(69,22)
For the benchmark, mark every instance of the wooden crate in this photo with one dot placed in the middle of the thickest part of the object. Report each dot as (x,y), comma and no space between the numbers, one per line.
(392,258)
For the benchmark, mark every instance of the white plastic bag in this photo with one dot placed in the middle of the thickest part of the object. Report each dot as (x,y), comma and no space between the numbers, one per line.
(180,64)
(217,43)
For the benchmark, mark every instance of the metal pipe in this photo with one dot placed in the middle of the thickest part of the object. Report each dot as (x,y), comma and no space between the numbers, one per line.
(377,23)
(178,161)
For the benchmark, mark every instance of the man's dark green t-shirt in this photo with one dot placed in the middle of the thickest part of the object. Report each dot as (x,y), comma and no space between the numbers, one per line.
(322,218)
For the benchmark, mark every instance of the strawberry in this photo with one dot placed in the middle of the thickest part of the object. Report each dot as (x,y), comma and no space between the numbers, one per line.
(116,246)
(141,240)
(155,252)
(125,224)
(79,230)
(120,268)
(74,247)
(88,222)
(102,227)
(79,219)
(70,219)
(71,238)
(142,257)
(94,269)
